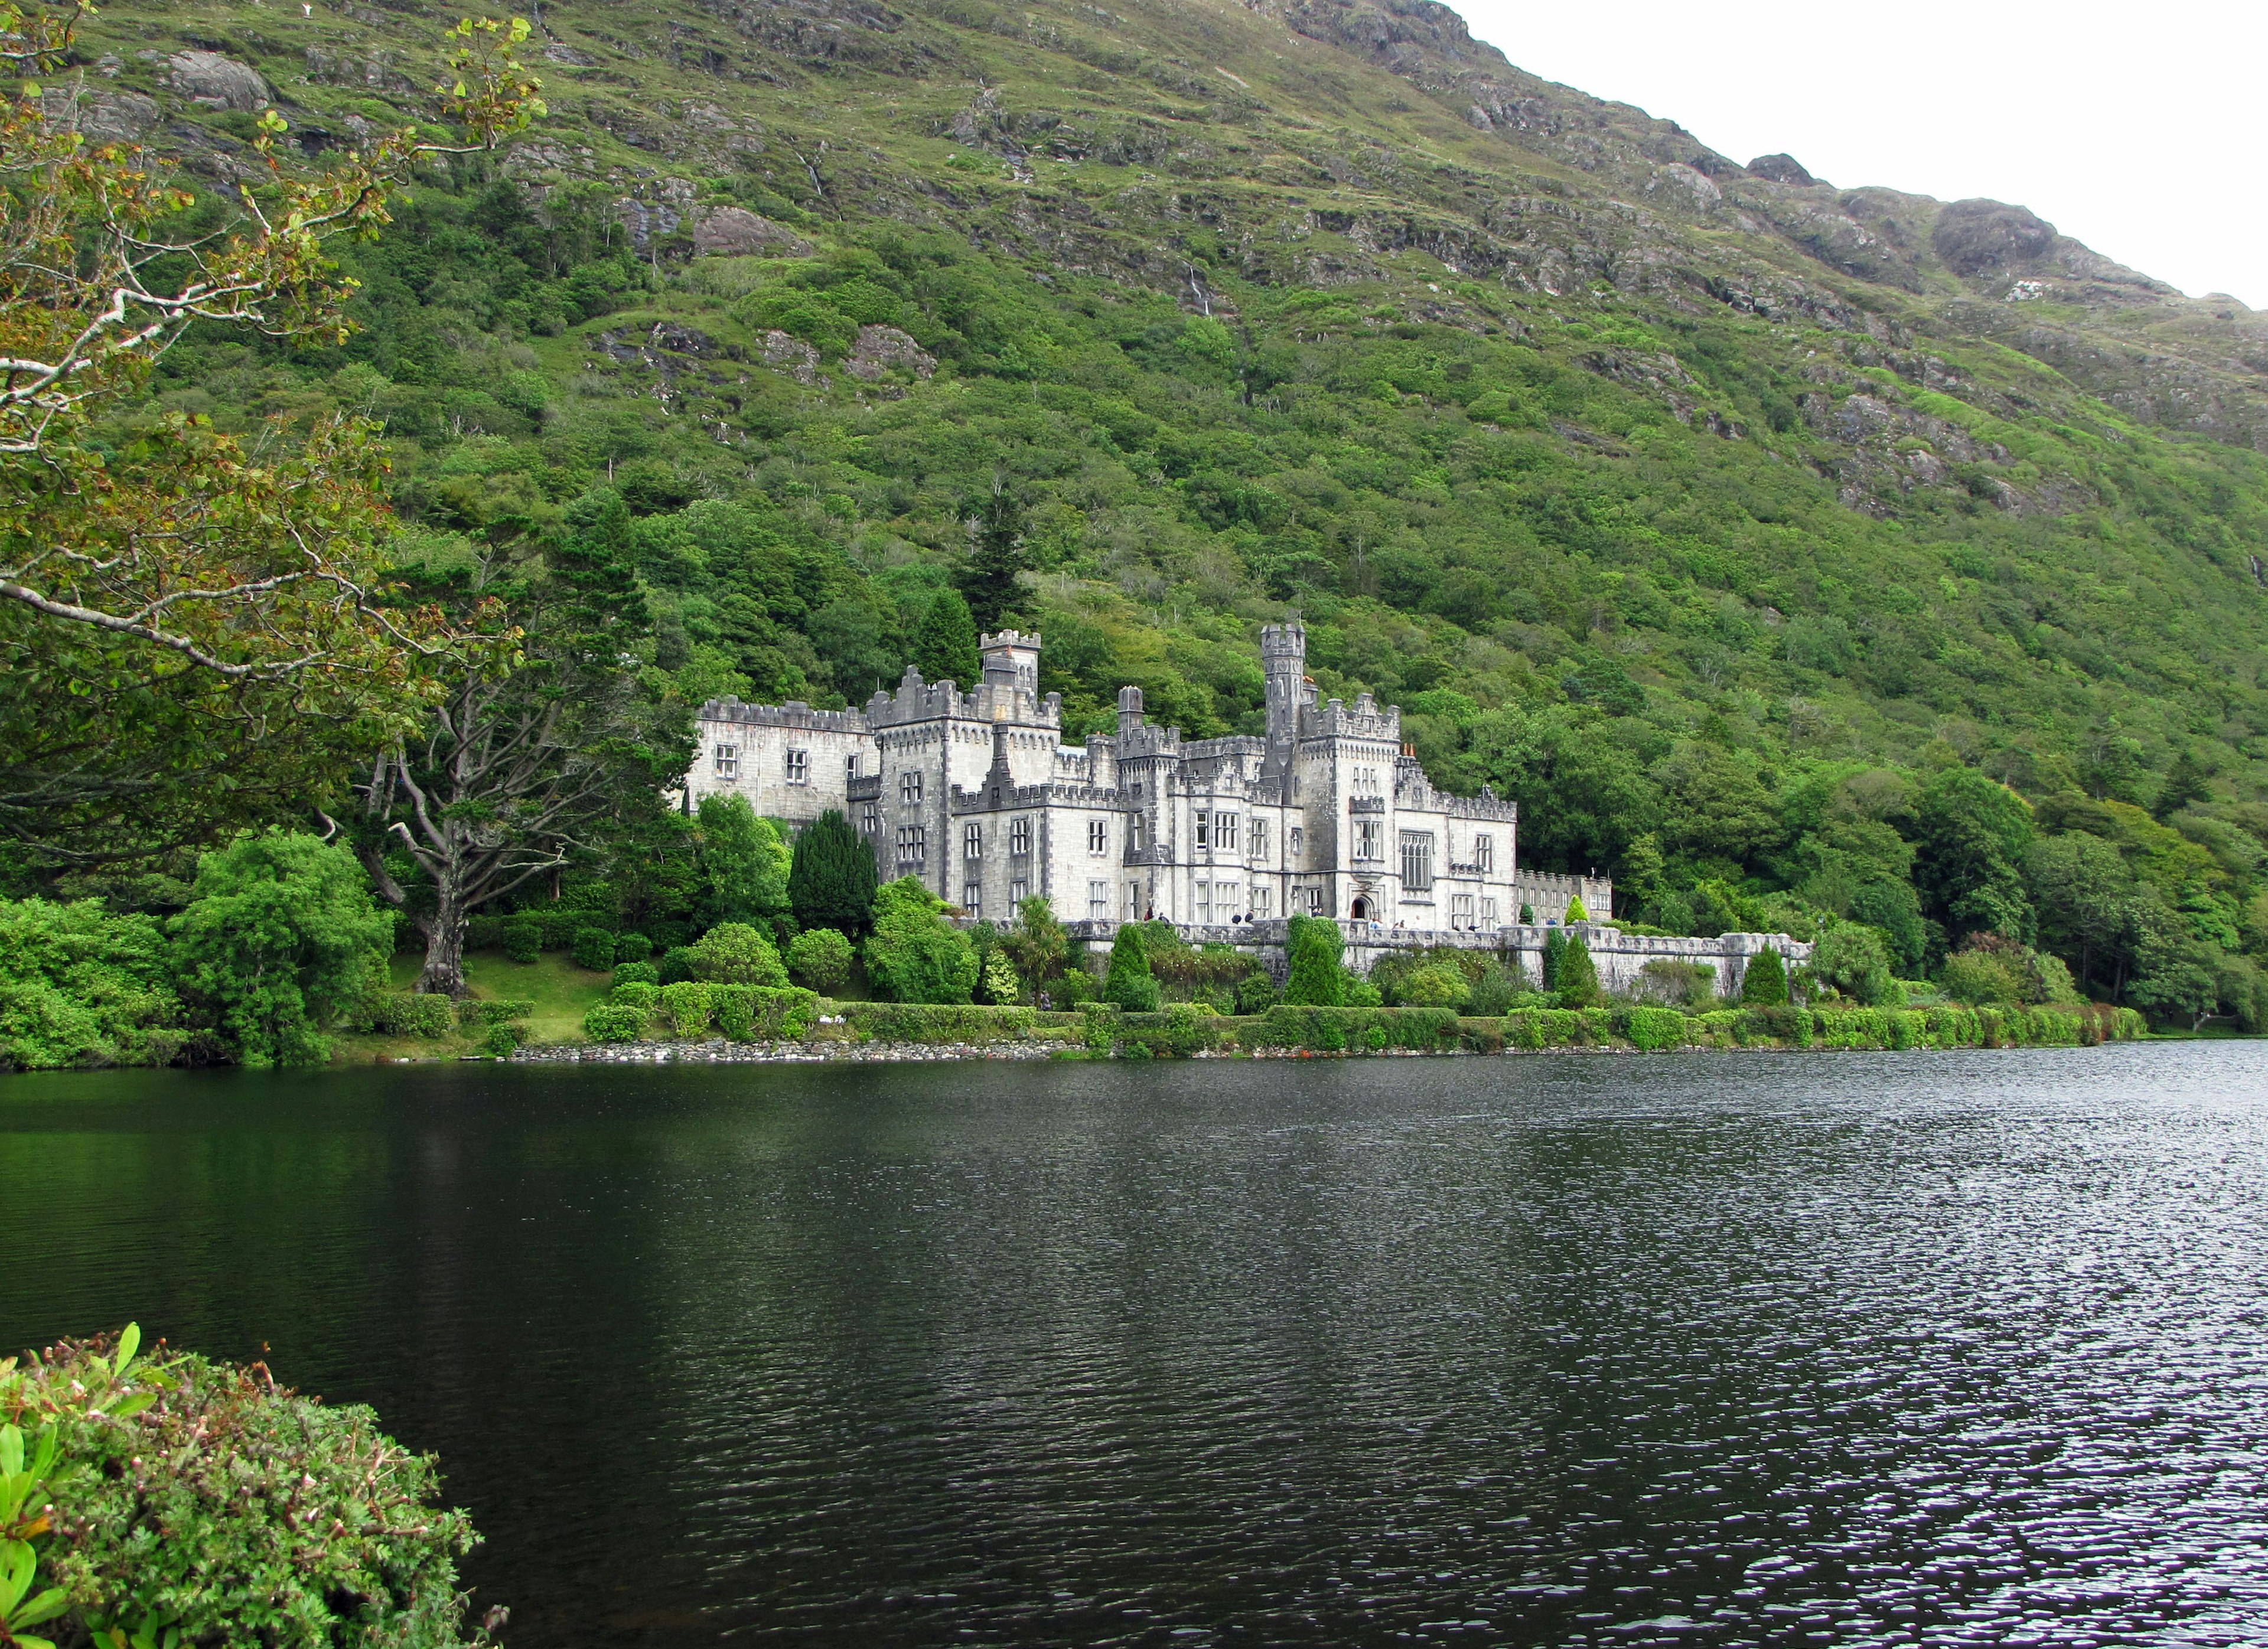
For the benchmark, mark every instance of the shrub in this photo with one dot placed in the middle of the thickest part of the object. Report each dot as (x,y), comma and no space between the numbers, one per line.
(1317,978)
(493,1010)
(939,1022)
(1495,989)
(632,947)
(401,1013)
(831,877)
(685,1007)
(1330,1029)
(1764,983)
(280,939)
(613,1022)
(206,1502)
(736,954)
(637,993)
(1129,982)
(914,954)
(523,939)
(819,958)
(1978,978)
(1575,982)
(81,987)
(502,1037)
(1256,993)
(1075,987)
(1438,984)
(734,1009)
(676,964)
(593,948)
(484,934)
(636,973)
(1652,1028)
(1678,981)
(1854,961)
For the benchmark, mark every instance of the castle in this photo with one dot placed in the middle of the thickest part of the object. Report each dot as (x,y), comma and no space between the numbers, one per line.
(975,793)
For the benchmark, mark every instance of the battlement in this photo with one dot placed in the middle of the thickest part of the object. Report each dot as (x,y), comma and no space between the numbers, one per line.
(1365,720)
(794,713)
(1001,701)
(1011,798)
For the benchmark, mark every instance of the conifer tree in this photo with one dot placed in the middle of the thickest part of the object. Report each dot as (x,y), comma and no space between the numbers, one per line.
(831,878)
(1129,982)
(996,532)
(1555,943)
(945,646)
(1575,911)
(1576,978)
(1317,978)
(1764,985)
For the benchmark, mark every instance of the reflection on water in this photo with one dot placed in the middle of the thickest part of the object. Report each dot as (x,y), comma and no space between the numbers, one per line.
(1716,1347)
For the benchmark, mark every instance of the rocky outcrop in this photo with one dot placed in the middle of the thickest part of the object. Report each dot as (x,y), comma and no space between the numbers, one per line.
(881,350)
(101,117)
(735,232)
(217,82)
(784,352)
(1782,169)
(1986,237)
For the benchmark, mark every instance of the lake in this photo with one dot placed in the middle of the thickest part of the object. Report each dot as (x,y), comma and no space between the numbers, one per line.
(1710,1347)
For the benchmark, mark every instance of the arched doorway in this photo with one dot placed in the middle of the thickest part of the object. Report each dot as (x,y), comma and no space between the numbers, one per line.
(1361,910)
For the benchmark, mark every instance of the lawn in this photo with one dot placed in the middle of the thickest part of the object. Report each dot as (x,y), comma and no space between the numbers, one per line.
(560,990)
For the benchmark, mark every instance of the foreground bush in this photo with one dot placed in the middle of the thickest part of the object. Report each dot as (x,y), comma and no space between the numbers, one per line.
(81,987)
(182,1496)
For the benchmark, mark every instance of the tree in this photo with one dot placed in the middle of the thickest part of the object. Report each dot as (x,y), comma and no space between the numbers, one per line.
(1973,835)
(945,646)
(1317,977)
(1894,908)
(996,557)
(2187,780)
(819,958)
(831,880)
(914,954)
(280,937)
(1129,982)
(736,954)
(1575,981)
(1575,911)
(194,628)
(1855,961)
(2085,897)
(1765,982)
(532,757)
(743,860)
(1037,943)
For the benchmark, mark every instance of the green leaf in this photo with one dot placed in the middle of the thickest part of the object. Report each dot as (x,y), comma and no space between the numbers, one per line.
(47,1606)
(128,1343)
(11,1450)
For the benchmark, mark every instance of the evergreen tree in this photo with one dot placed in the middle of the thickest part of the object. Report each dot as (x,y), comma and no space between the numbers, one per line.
(1526,914)
(2185,783)
(1129,984)
(996,555)
(1764,985)
(1317,978)
(1555,942)
(945,646)
(1575,911)
(1575,981)
(830,879)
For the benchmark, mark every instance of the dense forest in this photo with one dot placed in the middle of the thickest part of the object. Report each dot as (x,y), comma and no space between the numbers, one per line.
(454,447)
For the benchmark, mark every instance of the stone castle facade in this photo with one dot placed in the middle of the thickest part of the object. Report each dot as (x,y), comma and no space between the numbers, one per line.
(976,794)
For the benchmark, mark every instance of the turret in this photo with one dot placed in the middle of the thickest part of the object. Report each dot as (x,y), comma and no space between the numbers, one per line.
(1284,660)
(1129,711)
(1011,661)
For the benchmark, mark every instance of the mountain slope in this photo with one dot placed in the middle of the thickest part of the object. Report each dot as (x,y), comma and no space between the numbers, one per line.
(1665,492)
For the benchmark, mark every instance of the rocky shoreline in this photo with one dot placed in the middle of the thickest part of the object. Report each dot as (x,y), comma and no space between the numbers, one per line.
(718,1051)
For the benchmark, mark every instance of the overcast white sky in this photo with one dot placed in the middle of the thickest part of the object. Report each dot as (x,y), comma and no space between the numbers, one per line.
(2142,132)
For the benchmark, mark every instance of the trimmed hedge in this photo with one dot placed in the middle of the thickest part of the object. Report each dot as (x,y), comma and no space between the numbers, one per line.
(1174,1032)
(1336,1030)
(401,1013)
(499,1011)
(939,1022)
(613,1022)
(685,1007)
(593,948)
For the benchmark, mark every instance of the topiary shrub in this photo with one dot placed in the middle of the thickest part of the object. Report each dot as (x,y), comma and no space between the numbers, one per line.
(734,1009)
(473,1011)
(484,934)
(202,1502)
(636,974)
(613,1022)
(1575,979)
(1129,984)
(502,1037)
(685,1006)
(819,958)
(676,964)
(736,954)
(400,1013)
(632,947)
(1317,977)
(593,948)
(1764,983)
(1652,1028)
(523,939)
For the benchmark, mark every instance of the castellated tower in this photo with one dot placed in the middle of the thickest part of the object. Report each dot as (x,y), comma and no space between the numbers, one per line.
(1011,661)
(1284,659)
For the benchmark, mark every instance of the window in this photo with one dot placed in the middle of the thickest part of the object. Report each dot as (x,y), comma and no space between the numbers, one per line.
(1098,836)
(1226,892)
(1019,891)
(870,816)
(1416,861)
(1261,902)
(1134,833)
(972,899)
(1298,841)
(1488,913)
(1133,902)
(850,765)
(1204,828)
(728,760)
(1314,901)
(1098,902)
(1366,840)
(799,767)
(1224,827)
(1258,841)
(913,847)
(909,786)
(972,841)
(1461,911)
(1204,903)
(1019,836)
(1485,854)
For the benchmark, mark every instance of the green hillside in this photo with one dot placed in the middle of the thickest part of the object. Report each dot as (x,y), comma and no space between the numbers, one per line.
(1739,526)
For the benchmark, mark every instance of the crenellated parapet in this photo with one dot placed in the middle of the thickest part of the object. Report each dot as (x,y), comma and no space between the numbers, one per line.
(794,714)
(1336,719)
(1006,797)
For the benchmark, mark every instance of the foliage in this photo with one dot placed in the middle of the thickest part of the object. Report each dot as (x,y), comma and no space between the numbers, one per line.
(594,949)
(1316,977)
(831,879)
(280,939)
(819,958)
(205,1502)
(945,646)
(1575,976)
(408,1014)
(733,952)
(1036,943)
(1853,961)
(1977,978)
(1763,982)
(914,954)
(636,973)
(79,986)
(632,947)
(744,860)
(934,1022)
(1678,983)
(523,939)
(685,1007)
(613,1022)
(1129,984)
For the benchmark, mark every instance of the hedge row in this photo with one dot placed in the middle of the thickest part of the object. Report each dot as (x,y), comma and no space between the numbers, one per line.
(742,1013)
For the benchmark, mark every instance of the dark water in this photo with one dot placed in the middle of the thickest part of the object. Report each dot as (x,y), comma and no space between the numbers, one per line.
(1715,1349)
